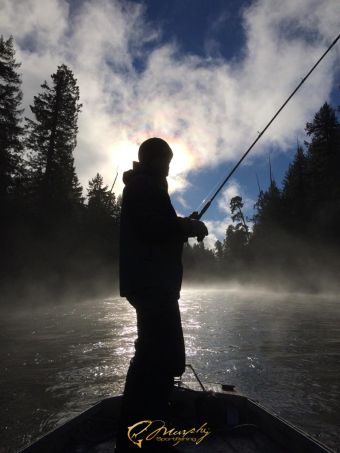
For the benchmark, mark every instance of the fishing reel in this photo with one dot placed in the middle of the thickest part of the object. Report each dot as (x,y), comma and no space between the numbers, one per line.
(196,216)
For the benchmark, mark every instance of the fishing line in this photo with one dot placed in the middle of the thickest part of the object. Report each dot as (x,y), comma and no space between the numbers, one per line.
(199,215)
(208,195)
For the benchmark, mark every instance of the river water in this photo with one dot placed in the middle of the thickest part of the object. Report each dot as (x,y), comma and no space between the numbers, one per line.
(282,350)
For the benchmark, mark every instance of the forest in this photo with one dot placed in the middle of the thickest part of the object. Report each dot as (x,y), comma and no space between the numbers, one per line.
(58,244)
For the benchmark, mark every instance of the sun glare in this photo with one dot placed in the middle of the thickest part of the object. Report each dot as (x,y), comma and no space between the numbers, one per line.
(123,153)
(183,159)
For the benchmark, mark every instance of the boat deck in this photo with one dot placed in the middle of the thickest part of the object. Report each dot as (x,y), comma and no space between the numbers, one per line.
(237,425)
(229,433)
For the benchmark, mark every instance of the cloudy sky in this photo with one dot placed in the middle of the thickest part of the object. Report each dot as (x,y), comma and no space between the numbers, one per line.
(205,75)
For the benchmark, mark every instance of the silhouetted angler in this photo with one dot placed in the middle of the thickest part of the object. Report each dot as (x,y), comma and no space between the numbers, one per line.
(151,244)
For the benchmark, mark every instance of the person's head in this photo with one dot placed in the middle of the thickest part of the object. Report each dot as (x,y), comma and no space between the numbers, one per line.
(155,154)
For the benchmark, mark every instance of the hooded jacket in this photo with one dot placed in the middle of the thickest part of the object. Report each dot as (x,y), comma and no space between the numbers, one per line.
(151,237)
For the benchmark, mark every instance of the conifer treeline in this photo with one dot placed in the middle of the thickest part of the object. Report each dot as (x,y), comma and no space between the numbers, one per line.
(55,243)
(295,238)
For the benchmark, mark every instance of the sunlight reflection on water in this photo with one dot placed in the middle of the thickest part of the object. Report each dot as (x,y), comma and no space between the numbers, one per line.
(282,350)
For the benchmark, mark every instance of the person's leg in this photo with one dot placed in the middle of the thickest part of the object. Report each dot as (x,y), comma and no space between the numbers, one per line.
(159,356)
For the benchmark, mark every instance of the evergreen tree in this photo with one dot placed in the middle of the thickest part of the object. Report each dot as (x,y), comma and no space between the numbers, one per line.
(199,262)
(234,243)
(324,153)
(11,167)
(294,194)
(219,250)
(234,247)
(101,201)
(268,207)
(323,159)
(52,138)
(236,205)
(98,195)
(266,245)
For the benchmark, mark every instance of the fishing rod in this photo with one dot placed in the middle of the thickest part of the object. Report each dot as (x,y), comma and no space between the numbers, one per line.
(198,215)
(109,199)
(114,182)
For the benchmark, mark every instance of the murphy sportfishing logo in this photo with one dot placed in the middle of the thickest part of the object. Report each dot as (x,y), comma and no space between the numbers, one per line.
(147,430)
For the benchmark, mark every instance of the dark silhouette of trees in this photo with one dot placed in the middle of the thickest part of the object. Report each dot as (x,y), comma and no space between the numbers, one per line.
(296,230)
(51,139)
(268,207)
(55,244)
(294,194)
(236,205)
(235,242)
(11,165)
(232,252)
(101,201)
(323,163)
(237,235)
(199,263)
(219,251)
(102,225)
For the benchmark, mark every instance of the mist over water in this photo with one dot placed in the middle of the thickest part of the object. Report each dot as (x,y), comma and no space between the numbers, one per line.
(279,349)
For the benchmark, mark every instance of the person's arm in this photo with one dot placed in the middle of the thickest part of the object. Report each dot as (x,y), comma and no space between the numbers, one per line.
(153,216)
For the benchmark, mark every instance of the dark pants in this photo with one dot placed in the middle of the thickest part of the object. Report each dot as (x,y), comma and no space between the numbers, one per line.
(159,356)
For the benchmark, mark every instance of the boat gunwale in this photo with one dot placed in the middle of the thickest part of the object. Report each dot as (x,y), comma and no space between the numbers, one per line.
(252,410)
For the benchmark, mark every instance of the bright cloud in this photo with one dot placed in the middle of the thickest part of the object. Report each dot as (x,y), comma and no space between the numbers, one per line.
(217,230)
(208,109)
